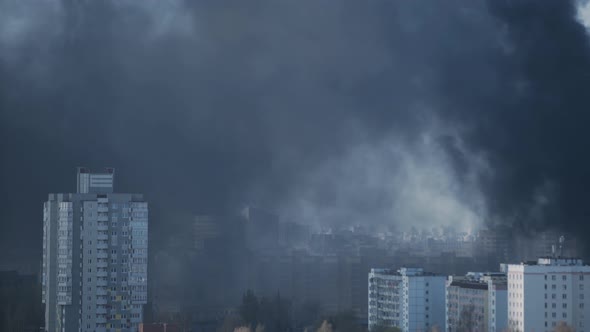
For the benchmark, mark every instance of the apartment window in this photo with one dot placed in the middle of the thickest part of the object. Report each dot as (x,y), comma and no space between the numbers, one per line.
(553,315)
(564,287)
(553,305)
(564,277)
(553,296)
(564,306)
(545,277)
(564,296)
(581,305)
(581,277)
(552,277)
(553,287)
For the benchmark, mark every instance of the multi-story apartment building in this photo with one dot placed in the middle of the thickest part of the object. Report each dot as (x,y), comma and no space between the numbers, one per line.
(410,299)
(476,302)
(94,257)
(547,293)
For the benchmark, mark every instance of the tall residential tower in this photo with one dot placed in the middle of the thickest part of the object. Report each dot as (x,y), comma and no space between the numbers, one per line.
(94,257)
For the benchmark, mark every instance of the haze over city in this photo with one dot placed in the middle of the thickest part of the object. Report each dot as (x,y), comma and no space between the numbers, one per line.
(288,151)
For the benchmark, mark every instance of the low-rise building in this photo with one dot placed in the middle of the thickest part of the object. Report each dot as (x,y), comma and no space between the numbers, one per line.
(409,298)
(476,302)
(547,293)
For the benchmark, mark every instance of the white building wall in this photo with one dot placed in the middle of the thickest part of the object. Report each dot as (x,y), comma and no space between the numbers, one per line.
(498,304)
(542,296)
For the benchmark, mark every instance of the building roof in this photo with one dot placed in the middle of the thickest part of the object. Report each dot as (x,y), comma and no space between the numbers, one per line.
(555,261)
(469,284)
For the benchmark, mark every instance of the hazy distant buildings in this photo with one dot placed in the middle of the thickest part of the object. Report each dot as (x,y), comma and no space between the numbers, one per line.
(160,327)
(261,229)
(545,293)
(205,230)
(95,253)
(409,298)
(476,302)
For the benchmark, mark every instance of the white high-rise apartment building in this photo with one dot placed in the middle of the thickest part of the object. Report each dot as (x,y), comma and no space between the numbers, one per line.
(477,302)
(410,299)
(547,293)
(94,257)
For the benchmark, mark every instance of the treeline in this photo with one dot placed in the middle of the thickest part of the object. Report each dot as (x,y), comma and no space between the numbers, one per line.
(278,314)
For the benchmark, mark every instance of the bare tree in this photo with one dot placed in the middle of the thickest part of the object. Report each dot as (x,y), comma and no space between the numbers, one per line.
(230,323)
(326,327)
(467,319)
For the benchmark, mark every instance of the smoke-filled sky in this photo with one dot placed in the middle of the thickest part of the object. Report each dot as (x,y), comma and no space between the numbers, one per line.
(381,113)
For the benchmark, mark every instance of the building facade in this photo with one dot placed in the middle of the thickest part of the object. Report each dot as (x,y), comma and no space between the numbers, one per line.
(547,293)
(476,302)
(94,257)
(410,299)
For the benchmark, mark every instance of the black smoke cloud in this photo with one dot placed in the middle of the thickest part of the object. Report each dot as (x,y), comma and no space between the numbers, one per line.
(382,112)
